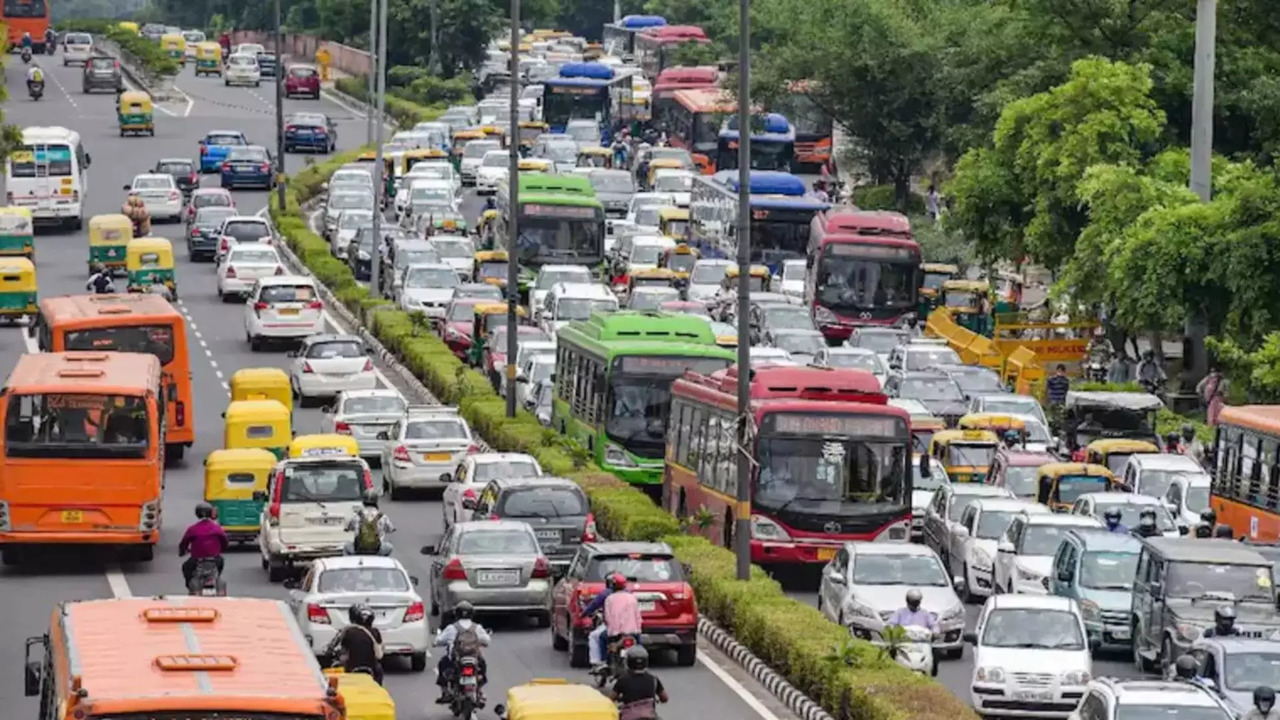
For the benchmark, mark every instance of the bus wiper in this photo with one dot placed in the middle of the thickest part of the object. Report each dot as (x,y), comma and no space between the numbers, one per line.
(800,498)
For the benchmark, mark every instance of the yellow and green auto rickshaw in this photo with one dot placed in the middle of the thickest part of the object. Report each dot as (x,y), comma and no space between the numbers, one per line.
(933,276)
(966,455)
(363,697)
(536,165)
(109,238)
(175,46)
(262,383)
(761,279)
(680,260)
(529,131)
(17,232)
(149,261)
(135,114)
(413,157)
(594,157)
(1061,484)
(324,445)
(674,223)
(490,266)
(231,477)
(17,288)
(556,699)
(459,143)
(208,59)
(970,303)
(1114,453)
(261,424)
(128,26)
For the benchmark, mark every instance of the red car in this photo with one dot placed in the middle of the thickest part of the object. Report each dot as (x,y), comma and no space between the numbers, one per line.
(495,349)
(667,603)
(302,80)
(456,327)
(1015,470)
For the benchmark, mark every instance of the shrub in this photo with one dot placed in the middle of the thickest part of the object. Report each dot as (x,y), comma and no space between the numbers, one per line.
(880,197)
(405,112)
(142,53)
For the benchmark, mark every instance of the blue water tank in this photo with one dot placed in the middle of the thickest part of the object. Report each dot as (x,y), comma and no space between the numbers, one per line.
(767,182)
(639,22)
(776,123)
(594,71)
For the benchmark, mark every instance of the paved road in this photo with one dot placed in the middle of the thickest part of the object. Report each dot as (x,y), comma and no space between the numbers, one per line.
(218,349)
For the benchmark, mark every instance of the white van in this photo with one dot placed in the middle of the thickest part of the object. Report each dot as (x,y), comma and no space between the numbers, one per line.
(48,174)
(574,301)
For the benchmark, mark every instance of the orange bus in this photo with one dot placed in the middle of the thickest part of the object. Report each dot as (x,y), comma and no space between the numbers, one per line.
(1246,471)
(693,118)
(26,16)
(134,322)
(177,658)
(82,461)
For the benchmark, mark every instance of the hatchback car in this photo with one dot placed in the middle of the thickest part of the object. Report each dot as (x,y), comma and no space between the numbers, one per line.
(1115,699)
(880,340)
(160,195)
(326,365)
(492,170)
(215,146)
(282,307)
(363,415)
(853,358)
(803,344)
(427,288)
(242,69)
(423,447)
(208,197)
(474,472)
(203,231)
(350,222)
(495,565)
(322,601)
(102,73)
(556,508)
(1096,568)
(268,64)
(243,266)
(184,171)
(248,166)
(345,199)
(302,81)
(242,230)
(972,548)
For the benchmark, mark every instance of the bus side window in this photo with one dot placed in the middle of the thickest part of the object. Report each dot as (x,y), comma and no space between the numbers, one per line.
(1252,471)
(710,452)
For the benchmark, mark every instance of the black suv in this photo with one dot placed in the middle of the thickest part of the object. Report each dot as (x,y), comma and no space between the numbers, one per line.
(556,508)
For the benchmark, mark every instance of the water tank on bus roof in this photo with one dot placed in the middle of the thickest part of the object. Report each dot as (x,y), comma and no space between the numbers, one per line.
(592,70)
(776,123)
(766,182)
(678,32)
(640,22)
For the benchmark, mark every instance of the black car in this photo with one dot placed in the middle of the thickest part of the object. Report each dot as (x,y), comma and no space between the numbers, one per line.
(202,231)
(102,73)
(268,65)
(185,173)
(360,254)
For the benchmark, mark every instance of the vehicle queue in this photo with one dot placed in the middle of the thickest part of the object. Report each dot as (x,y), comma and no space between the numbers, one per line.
(1019,516)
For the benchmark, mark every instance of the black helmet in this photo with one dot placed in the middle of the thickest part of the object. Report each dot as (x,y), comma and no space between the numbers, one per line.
(1147,516)
(1189,432)
(1209,517)
(637,659)
(1264,698)
(1185,667)
(370,498)
(1223,532)
(914,598)
(360,614)
(204,511)
(1172,438)
(464,610)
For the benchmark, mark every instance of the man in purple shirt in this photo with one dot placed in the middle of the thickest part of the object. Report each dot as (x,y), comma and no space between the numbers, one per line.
(913,614)
(204,539)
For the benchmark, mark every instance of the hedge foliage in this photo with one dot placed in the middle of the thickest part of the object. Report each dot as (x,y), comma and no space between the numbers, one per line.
(404,112)
(852,679)
(138,51)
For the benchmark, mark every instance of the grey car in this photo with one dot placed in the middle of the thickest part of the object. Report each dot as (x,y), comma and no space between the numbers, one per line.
(614,189)
(935,389)
(556,508)
(102,73)
(202,232)
(496,565)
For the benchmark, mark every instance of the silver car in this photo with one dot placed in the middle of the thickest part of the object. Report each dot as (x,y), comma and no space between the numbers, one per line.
(349,223)
(364,414)
(496,565)
(423,447)
(427,288)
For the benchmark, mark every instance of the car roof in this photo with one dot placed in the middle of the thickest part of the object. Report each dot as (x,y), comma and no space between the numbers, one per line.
(249,218)
(1205,550)
(1061,519)
(188,161)
(375,392)
(287,280)
(1018,458)
(342,562)
(846,350)
(1165,461)
(1031,602)
(1008,504)
(1006,396)
(1119,498)
(1160,692)
(212,191)
(562,268)
(542,481)
(1103,540)
(432,266)
(496,457)
(157,175)
(961,369)
(883,548)
(331,337)
(489,525)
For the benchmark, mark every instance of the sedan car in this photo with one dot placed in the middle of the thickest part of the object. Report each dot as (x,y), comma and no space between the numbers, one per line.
(614,189)
(472,155)
(243,265)
(208,197)
(423,448)
(677,183)
(202,231)
(242,69)
(363,415)
(474,472)
(936,390)
(160,194)
(302,81)
(855,358)
(495,565)
(322,601)
(185,172)
(458,252)
(215,147)
(308,133)
(493,169)
(350,223)
(973,543)
(249,165)
(326,365)
(974,380)
(346,199)
(427,288)
(243,229)
(282,307)
(102,73)
(867,582)
(1024,556)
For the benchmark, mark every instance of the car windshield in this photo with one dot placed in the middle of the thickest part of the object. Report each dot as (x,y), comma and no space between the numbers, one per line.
(970,455)
(302,72)
(442,429)
(1168,712)
(787,316)
(543,502)
(1200,580)
(478,148)
(420,195)
(651,298)
(1012,405)
(453,248)
(927,389)
(800,342)
(548,278)
(248,154)
(1155,483)
(351,201)
(1108,570)
(638,567)
(175,167)
(1021,479)
(253,256)
(581,308)
(1130,514)
(936,478)
(498,469)
(673,183)
(670,154)
(608,181)
(243,61)
(495,160)
(993,523)
(373,404)
(925,358)
(362,580)
(417,256)
(915,570)
(461,312)
(878,342)
(329,481)
(973,382)
(1248,670)
(432,278)
(1197,499)
(858,361)
(153,183)
(104,63)
(646,254)
(497,542)
(647,216)
(335,349)
(708,273)
(562,150)
(1033,628)
(1043,539)
(78,39)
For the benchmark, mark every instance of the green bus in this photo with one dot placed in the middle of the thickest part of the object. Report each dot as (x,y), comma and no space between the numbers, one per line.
(560,222)
(613,385)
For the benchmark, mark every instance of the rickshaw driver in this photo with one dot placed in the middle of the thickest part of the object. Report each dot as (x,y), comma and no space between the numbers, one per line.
(205,539)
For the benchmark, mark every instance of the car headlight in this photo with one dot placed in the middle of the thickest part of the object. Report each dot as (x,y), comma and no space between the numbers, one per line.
(981,559)
(615,455)
(1075,677)
(762,528)
(990,674)
(1028,575)
(1090,611)
(1188,632)
(861,610)
(955,613)
(823,315)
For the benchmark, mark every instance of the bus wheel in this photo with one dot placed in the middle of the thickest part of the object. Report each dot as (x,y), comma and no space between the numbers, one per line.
(11,556)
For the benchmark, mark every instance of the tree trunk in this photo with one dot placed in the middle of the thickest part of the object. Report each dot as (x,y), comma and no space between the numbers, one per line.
(901,187)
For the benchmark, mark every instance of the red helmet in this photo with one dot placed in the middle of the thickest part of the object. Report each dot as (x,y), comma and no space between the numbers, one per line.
(617,581)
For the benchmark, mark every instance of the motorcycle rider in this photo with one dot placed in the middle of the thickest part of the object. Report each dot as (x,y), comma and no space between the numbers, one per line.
(26,41)
(359,645)
(371,527)
(1150,375)
(50,40)
(595,641)
(911,614)
(1264,705)
(464,637)
(638,691)
(1208,521)
(35,76)
(1224,623)
(205,539)
(621,616)
(100,282)
(1147,524)
(1112,519)
(1173,444)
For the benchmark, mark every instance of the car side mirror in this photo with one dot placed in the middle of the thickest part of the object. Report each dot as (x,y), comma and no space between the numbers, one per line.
(260,495)
(127,188)
(925,470)
(383,436)
(1064,576)
(428,550)
(1184,529)
(446,477)
(88,159)
(292,583)
(961,531)
(292,354)
(958,584)
(970,637)
(327,409)
(413,579)
(31,681)
(1156,589)
(201,142)
(468,504)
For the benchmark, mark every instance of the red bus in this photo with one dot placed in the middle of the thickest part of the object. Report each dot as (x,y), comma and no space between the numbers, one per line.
(693,119)
(26,16)
(653,46)
(865,270)
(832,460)
(675,79)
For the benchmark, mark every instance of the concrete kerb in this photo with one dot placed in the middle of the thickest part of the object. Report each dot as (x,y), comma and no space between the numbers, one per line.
(160,89)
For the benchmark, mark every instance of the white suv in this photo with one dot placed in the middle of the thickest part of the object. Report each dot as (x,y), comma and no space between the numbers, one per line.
(306,507)
(1115,699)
(282,307)
(77,48)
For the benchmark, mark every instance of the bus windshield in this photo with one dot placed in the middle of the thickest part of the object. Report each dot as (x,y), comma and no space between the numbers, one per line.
(558,107)
(829,474)
(80,426)
(555,238)
(31,161)
(639,399)
(852,283)
(150,339)
(25,9)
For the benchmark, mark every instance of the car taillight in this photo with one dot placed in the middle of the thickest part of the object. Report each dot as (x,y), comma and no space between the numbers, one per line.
(368,366)
(415,613)
(290,128)
(175,195)
(231,271)
(204,150)
(473,449)
(541,568)
(226,167)
(368,479)
(266,167)
(226,243)
(195,232)
(180,413)
(317,614)
(306,367)
(469,493)
(194,178)
(342,428)
(401,454)
(279,270)
(494,516)
(315,305)
(115,65)
(258,307)
(454,571)
(589,530)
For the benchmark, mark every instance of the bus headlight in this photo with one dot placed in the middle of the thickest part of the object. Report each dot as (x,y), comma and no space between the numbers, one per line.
(823,316)
(762,528)
(615,455)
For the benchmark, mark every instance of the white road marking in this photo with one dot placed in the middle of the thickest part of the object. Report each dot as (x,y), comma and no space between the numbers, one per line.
(737,688)
(65,94)
(119,586)
(190,103)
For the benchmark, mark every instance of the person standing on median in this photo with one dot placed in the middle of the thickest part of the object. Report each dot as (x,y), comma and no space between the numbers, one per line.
(1057,387)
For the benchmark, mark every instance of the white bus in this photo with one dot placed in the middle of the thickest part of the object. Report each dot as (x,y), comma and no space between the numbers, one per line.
(48,174)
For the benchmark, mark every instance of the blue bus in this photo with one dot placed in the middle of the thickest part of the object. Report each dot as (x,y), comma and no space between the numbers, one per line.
(583,91)
(620,37)
(781,214)
(773,143)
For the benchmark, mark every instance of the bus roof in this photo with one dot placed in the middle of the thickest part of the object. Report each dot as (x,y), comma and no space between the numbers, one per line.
(90,372)
(594,70)
(771,124)
(702,75)
(764,182)
(676,33)
(642,22)
(706,100)
(783,202)
(646,327)
(242,656)
(54,133)
(555,199)
(544,183)
(1263,418)
(577,82)
(103,310)
(866,222)
(802,390)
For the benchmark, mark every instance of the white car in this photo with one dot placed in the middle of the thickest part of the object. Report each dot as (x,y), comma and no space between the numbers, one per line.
(363,415)
(1117,699)
(704,281)
(494,167)
(474,472)
(535,369)
(1008,404)
(867,582)
(974,544)
(803,344)
(472,155)
(1151,473)
(643,200)
(548,276)
(676,183)
(326,365)
(1187,497)
(322,600)
(427,288)
(790,279)
(311,499)
(242,69)
(922,489)
(427,170)
(424,447)
(242,229)
(77,47)
(762,356)
(855,358)
(349,223)
(1024,555)
(282,307)
(1097,504)
(160,195)
(525,349)
(253,49)
(456,251)
(242,266)
(1030,657)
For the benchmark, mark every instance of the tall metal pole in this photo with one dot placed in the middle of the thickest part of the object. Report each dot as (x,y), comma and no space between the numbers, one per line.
(742,516)
(379,181)
(279,168)
(1202,99)
(433,61)
(513,202)
(373,68)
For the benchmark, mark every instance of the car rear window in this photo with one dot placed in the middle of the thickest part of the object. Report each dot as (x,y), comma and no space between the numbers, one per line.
(208,216)
(247,231)
(254,256)
(224,139)
(639,567)
(287,293)
(78,39)
(248,153)
(435,430)
(302,72)
(152,183)
(504,469)
(332,350)
(373,404)
(358,580)
(213,199)
(336,481)
(497,542)
(176,168)
(542,502)
(103,63)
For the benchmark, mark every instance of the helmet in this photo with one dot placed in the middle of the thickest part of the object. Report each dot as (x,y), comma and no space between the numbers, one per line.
(1264,698)
(1209,517)
(616,581)
(1185,667)
(1189,432)
(1147,516)
(637,658)
(1172,438)
(360,614)
(1224,617)
(97,268)
(1011,436)
(464,610)
(204,511)
(913,598)
(370,498)
(1112,515)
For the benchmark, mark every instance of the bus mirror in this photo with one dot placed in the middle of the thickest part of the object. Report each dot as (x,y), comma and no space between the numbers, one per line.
(31,679)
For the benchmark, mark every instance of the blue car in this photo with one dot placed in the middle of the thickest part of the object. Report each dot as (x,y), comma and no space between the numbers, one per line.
(249,166)
(216,145)
(307,134)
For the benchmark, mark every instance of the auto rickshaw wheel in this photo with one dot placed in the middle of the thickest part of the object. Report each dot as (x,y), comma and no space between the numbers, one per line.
(151,132)
(121,132)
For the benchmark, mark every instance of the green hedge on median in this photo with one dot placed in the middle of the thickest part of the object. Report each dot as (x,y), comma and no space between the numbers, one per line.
(851,679)
(404,112)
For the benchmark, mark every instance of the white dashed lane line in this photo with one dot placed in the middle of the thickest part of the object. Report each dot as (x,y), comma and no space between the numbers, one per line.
(195,330)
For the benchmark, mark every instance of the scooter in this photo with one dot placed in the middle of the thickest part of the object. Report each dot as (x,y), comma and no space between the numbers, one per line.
(206,581)
(916,651)
(26,55)
(35,89)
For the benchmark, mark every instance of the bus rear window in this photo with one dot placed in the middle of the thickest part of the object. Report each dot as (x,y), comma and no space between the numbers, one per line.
(59,425)
(31,161)
(25,9)
(151,339)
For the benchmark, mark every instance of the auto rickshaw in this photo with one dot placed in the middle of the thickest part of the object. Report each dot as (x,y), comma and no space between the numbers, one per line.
(760,281)
(996,423)
(17,288)
(1114,453)
(536,165)
(529,131)
(413,157)
(175,46)
(1095,415)
(135,114)
(149,261)
(934,275)
(661,164)
(556,699)
(680,260)
(495,132)
(490,266)
(485,318)
(968,300)
(1061,484)
(674,223)
(17,232)
(595,157)
(363,697)
(230,479)
(208,59)
(109,238)
(324,445)
(966,455)
(261,424)
(264,383)
(128,26)
(460,140)
(923,428)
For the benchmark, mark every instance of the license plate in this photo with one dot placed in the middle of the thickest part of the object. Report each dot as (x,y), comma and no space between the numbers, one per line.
(72,516)
(1033,695)
(288,311)
(436,457)
(826,553)
(209,592)
(467,680)
(327,520)
(497,577)
(646,607)
(548,535)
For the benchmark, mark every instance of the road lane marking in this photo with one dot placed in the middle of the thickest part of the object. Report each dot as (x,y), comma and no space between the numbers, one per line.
(190,103)
(203,345)
(66,94)
(737,688)
(119,586)
(357,113)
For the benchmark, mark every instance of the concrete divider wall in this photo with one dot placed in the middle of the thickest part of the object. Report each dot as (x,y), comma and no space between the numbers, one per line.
(303,48)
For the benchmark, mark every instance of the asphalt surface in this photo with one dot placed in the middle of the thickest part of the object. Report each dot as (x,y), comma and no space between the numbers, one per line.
(218,348)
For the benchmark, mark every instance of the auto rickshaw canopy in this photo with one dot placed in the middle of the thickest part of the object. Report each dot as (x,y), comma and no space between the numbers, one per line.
(134,102)
(1080,478)
(554,699)
(263,383)
(324,445)
(149,252)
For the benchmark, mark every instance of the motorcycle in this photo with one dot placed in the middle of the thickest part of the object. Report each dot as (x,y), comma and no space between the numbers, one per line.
(50,46)
(915,652)
(615,665)
(26,55)
(465,696)
(36,90)
(206,581)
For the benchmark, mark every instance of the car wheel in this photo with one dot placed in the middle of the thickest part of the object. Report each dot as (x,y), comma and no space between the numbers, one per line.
(144,553)
(418,662)
(276,572)
(395,492)
(951,655)
(11,556)
(686,655)
(969,597)
(1166,657)
(255,343)
(543,619)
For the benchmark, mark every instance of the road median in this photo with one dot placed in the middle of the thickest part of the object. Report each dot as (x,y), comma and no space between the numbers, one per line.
(143,62)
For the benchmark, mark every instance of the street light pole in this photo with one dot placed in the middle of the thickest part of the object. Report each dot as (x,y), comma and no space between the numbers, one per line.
(373,68)
(1202,99)
(379,180)
(513,202)
(742,515)
(279,164)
